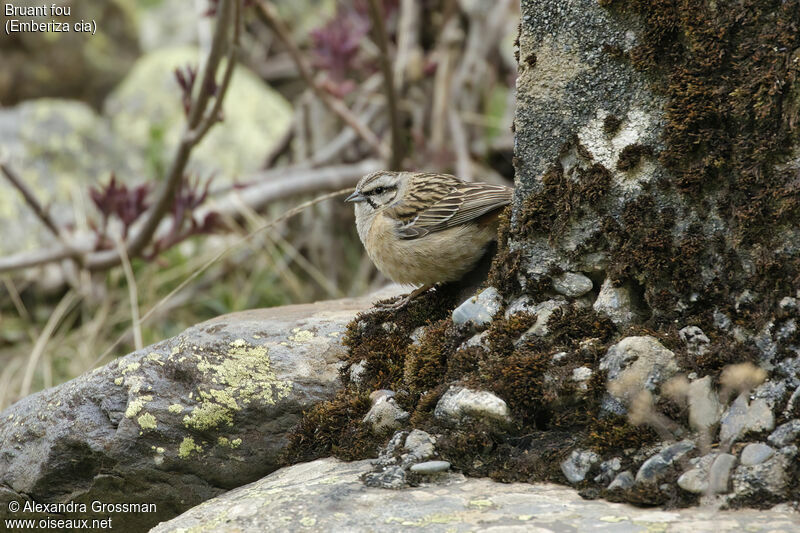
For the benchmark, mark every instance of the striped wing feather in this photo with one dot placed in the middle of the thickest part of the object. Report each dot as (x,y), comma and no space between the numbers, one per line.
(458,203)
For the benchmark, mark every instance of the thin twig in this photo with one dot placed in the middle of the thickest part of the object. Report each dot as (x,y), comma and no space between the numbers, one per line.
(133,296)
(39,210)
(382,40)
(58,314)
(270,15)
(193,134)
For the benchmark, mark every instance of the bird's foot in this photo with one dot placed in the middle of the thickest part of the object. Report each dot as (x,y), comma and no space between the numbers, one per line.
(403,301)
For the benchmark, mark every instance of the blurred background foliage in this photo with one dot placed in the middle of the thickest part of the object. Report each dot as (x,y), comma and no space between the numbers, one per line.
(90,124)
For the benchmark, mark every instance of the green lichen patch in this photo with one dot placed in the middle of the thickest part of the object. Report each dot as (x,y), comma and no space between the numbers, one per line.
(136,405)
(188,446)
(241,376)
(147,421)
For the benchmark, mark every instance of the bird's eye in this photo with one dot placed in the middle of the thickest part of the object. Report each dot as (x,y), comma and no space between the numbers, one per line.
(378,190)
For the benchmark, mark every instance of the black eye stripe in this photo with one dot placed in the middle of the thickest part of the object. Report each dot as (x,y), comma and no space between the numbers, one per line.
(380,190)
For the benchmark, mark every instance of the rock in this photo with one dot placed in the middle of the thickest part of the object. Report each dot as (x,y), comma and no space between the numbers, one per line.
(696,341)
(633,364)
(719,475)
(623,481)
(786,433)
(741,417)
(357,371)
(695,480)
(523,304)
(617,303)
(479,310)
(656,466)
(148,100)
(46,142)
(756,453)
(459,403)
(769,477)
(385,413)
(704,407)
(180,421)
(608,470)
(327,495)
(391,477)
(577,465)
(581,376)
(430,467)
(481,340)
(572,284)
(543,312)
(419,445)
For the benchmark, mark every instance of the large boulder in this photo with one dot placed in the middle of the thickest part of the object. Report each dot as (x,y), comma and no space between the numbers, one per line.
(180,421)
(327,495)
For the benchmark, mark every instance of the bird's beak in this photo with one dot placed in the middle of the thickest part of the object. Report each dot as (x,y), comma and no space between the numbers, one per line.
(355,197)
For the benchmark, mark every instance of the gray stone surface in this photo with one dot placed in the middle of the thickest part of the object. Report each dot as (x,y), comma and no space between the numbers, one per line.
(617,303)
(696,341)
(633,364)
(695,480)
(623,481)
(572,284)
(704,407)
(742,417)
(756,453)
(180,421)
(543,311)
(720,473)
(326,495)
(785,433)
(430,467)
(385,413)
(657,465)
(769,477)
(577,465)
(459,403)
(479,310)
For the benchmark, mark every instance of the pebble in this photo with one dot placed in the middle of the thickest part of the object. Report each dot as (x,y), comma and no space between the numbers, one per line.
(572,284)
(459,403)
(652,469)
(623,481)
(430,467)
(577,465)
(478,310)
(756,453)
(785,433)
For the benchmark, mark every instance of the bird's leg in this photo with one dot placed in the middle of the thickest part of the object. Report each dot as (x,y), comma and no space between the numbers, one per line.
(405,300)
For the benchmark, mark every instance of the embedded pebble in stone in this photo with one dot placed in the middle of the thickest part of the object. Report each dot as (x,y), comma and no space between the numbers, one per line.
(788,303)
(384,413)
(756,453)
(742,417)
(357,371)
(577,465)
(430,467)
(543,311)
(704,407)
(656,466)
(616,303)
(416,334)
(480,340)
(558,357)
(479,310)
(785,433)
(459,403)
(623,481)
(695,480)
(572,284)
(696,341)
(392,477)
(420,445)
(632,364)
(608,470)
(768,477)
(523,304)
(581,375)
(720,473)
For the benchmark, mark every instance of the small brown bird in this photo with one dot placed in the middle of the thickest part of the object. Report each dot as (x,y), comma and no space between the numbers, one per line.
(424,229)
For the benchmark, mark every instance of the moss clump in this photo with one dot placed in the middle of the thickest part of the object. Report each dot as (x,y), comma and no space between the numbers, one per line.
(426,362)
(611,123)
(614,433)
(631,155)
(505,271)
(335,428)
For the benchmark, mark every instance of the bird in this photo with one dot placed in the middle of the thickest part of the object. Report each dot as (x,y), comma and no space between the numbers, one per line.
(423,228)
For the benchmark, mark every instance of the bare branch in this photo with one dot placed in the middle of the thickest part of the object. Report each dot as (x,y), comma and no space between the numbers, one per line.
(270,15)
(382,40)
(195,130)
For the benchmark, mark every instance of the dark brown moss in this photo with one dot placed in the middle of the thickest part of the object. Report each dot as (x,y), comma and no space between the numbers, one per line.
(426,361)
(613,434)
(505,271)
(631,156)
(611,123)
(530,60)
(334,428)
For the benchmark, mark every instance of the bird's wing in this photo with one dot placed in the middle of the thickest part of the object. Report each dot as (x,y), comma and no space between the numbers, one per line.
(438,202)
